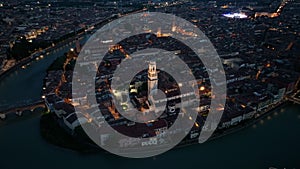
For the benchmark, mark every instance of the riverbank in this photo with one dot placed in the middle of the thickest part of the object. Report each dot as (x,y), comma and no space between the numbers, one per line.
(34,55)
(256,147)
(51,131)
(60,44)
(239,127)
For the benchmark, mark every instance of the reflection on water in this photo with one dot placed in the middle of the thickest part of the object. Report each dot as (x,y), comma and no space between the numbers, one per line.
(261,121)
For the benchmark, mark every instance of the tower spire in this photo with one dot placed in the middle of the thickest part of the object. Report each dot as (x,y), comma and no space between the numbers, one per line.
(152,77)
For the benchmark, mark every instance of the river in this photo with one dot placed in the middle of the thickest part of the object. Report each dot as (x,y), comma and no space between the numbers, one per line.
(25,85)
(273,141)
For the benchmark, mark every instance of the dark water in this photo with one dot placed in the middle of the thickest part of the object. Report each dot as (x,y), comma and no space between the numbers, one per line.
(25,85)
(272,142)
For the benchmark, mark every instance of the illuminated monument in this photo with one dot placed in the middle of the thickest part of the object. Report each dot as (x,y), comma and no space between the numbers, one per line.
(152,77)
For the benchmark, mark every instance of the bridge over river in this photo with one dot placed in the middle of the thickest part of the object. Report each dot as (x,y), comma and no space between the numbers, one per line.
(295,98)
(18,111)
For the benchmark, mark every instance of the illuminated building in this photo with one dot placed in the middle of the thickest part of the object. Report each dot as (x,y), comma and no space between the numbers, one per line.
(152,77)
(235,15)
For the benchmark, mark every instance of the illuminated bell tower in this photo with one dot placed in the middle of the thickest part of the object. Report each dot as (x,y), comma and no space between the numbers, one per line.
(152,77)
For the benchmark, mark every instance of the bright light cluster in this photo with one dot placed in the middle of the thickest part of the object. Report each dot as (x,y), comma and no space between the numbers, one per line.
(235,15)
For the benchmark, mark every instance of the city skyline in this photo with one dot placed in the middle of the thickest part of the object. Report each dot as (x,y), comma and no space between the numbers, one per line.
(43,45)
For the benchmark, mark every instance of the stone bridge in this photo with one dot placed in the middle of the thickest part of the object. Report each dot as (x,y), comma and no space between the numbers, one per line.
(20,109)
